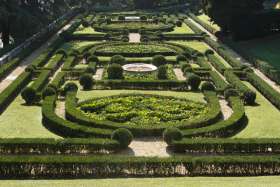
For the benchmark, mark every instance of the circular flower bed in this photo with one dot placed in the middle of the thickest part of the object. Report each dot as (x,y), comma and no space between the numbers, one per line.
(143,110)
(139,67)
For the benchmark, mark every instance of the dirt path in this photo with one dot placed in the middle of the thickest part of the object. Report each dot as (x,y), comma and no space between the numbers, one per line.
(179,74)
(134,38)
(147,147)
(14,74)
(226,110)
(99,73)
(60,109)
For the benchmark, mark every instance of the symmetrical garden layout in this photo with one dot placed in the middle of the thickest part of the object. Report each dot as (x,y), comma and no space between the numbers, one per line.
(137,95)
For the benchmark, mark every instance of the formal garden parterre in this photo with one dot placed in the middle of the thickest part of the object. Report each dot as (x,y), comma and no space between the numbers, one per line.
(75,110)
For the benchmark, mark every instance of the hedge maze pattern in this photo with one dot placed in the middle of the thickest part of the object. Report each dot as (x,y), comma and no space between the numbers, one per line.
(98,41)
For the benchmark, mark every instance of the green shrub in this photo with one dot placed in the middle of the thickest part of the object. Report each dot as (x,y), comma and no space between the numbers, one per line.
(143,18)
(123,136)
(31,68)
(48,91)
(172,134)
(180,58)
(230,93)
(121,18)
(188,70)
(158,60)
(71,86)
(93,58)
(249,97)
(86,81)
(85,23)
(207,86)
(115,71)
(29,95)
(162,72)
(118,59)
(194,81)
(179,23)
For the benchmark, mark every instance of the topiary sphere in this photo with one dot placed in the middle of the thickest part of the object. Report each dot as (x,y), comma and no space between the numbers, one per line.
(249,97)
(115,71)
(179,23)
(71,86)
(121,18)
(86,81)
(49,91)
(172,134)
(143,18)
(118,59)
(194,81)
(231,93)
(85,23)
(29,95)
(180,58)
(158,60)
(162,72)
(207,86)
(209,52)
(123,136)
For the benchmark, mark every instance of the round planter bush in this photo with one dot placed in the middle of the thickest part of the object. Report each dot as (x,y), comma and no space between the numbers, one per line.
(172,134)
(207,86)
(86,81)
(194,81)
(118,59)
(249,97)
(180,58)
(209,52)
(123,136)
(158,60)
(115,71)
(85,23)
(179,23)
(93,58)
(49,91)
(29,95)
(230,93)
(162,72)
(71,86)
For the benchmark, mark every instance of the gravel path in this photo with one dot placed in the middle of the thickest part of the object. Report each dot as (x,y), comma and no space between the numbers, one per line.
(179,74)
(226,110)
(99,73)
(14,74)
(60,109)
(134,38)
(147,147)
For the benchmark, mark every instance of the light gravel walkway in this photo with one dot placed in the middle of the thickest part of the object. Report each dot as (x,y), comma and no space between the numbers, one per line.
(147,147)
(226,110)
(179,74)
(60,109)
(14,74)
(134,38)
(99,73)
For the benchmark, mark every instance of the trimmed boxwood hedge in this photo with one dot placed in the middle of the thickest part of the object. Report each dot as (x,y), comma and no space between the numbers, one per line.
(220,84)
(40,146)
(226,146)
(225,128)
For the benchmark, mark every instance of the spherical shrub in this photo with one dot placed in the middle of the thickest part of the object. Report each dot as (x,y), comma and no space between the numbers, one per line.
(162,72)
(48,91)
(86,81)
(194,81)
(115,71)
(118,59)
(209,52)
(123,136)
(207,86)
(143,18)
(172,134)
(90,70)
(230,93)
(158,60)
(180,58)
(29,95)
(179,23)
(85,23)
(71,86)
(121,18)
(249,97)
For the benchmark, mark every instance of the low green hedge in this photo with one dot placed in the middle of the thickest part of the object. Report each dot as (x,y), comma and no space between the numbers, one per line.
(11,92)
(226,146)
(220,84)
(43,79)
(58,146)
(70,61)
(208,27)
(54,62)
(194,27)
(270,93)
(66,128)
(58,80)
(236,82)
(216,62)
(203,63)
(225,128)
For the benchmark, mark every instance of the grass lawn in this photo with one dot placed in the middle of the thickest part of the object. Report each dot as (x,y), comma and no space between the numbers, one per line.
(86,30)
(75,45)
(182,30)
(85,95)
(207,20)
(272,181)
(266,49)
(263,119)
(20,121)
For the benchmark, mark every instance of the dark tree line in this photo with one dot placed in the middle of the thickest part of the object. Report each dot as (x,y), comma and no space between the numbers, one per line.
(245,19)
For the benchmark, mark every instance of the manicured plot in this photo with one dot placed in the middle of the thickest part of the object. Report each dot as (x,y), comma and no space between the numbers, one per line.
(182,30)
(86,30)
(264,119)
(134,25)
(207,20)
(76,45)
(20,121)
(266,49)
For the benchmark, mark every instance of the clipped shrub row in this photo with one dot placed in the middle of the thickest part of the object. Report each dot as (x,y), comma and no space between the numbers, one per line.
(226,146)
(208,27)
(225,128)
(69,62)
(216,63)
(220,84)
(54,62)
